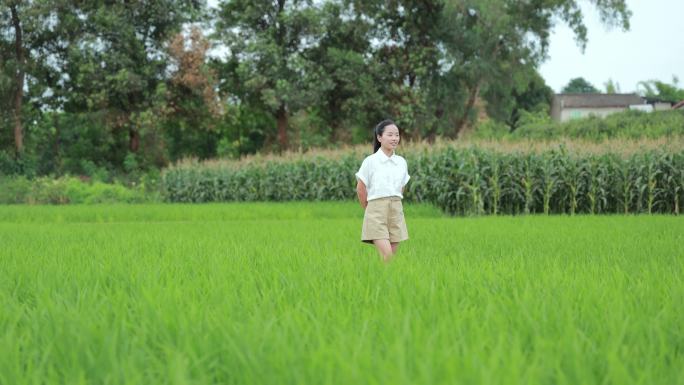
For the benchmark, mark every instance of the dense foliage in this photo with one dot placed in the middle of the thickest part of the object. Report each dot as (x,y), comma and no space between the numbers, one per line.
(70,190)
(114,88)
(579,86)
(623,125)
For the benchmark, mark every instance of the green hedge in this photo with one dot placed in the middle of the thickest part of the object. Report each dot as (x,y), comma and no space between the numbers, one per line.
(460,181)
(64,190)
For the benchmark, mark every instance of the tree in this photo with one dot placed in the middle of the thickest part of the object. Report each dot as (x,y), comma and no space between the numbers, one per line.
(579,86)
(118,66)
(661,90)
(490,43)
(404,58)
(106,61)
(268,65)
(523,91)
(193,105)
(20,60)
(440,57)
(20,34)
(107,84)
(612,87)
(354,98)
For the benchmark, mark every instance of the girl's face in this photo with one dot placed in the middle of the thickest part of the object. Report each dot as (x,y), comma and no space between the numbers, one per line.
(390,138)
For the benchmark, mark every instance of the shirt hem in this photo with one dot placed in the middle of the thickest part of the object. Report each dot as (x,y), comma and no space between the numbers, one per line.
(384,196)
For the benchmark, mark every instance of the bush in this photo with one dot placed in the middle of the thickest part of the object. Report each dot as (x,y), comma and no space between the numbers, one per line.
(93,171)
(625,125)
(27,165)
(14,190)
(111,193)
(64,190)
(490,129)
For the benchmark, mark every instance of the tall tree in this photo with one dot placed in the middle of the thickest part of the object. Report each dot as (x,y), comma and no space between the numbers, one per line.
(353,99)
(20,60)
(18,34)
(489,42)
(404,56)
(110,63)
(439,58)
(26,32)
(193,106)
(268,65)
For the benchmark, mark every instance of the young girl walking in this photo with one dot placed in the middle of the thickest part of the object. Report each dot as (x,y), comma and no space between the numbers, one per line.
(381,180)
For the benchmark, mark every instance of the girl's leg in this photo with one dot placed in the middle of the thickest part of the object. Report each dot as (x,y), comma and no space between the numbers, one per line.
(394,247)
(384,248)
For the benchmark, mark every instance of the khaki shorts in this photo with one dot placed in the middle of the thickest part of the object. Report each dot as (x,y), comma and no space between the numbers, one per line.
(384,219)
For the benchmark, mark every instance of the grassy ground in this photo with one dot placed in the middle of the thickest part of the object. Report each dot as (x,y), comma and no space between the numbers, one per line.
(287,294)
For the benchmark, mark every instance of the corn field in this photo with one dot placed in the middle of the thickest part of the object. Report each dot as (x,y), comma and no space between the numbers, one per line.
(461,181)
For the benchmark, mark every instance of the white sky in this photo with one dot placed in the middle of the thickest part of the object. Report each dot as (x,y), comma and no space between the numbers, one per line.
(653,48)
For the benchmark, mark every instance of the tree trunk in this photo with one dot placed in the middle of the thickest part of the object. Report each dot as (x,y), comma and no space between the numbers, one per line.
(281,116)
(19,82)
(57,145)
(474,92)
(134,139)
(338,133)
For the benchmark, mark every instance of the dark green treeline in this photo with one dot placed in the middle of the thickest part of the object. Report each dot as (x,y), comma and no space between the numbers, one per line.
(111,88)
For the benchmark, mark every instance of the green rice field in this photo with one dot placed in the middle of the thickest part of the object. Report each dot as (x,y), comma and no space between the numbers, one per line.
(285,293)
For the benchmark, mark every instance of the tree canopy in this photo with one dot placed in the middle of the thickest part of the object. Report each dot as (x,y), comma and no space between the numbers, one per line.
(662,91)
(580,86)
(90,86)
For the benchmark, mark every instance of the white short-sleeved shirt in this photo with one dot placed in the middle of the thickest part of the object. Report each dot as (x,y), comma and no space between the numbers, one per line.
(383,176)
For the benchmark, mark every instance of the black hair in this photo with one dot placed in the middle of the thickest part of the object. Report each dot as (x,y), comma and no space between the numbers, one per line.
(379,129)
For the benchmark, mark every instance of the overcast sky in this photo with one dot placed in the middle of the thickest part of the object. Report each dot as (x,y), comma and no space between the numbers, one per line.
(653,48)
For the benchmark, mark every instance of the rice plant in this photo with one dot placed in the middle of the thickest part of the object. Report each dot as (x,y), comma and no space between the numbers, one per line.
(285,293)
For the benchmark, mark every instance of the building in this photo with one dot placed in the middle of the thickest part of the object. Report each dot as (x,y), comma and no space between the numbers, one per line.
(659,104)
(565,107)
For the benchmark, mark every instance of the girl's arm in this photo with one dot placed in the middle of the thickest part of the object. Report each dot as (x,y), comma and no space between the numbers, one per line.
(362,193)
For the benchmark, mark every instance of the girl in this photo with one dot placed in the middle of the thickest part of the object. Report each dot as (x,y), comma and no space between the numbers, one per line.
(381,181)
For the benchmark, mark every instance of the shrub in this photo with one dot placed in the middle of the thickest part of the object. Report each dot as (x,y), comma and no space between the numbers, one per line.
(626,125)
(14,189)
(64,190)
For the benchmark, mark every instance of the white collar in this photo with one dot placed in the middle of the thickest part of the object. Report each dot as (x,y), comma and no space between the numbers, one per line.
(384,158)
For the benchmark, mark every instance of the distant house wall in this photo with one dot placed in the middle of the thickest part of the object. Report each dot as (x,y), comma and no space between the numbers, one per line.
(566,107)
(577,113)
(556,108)
(642,107)
(659,106)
